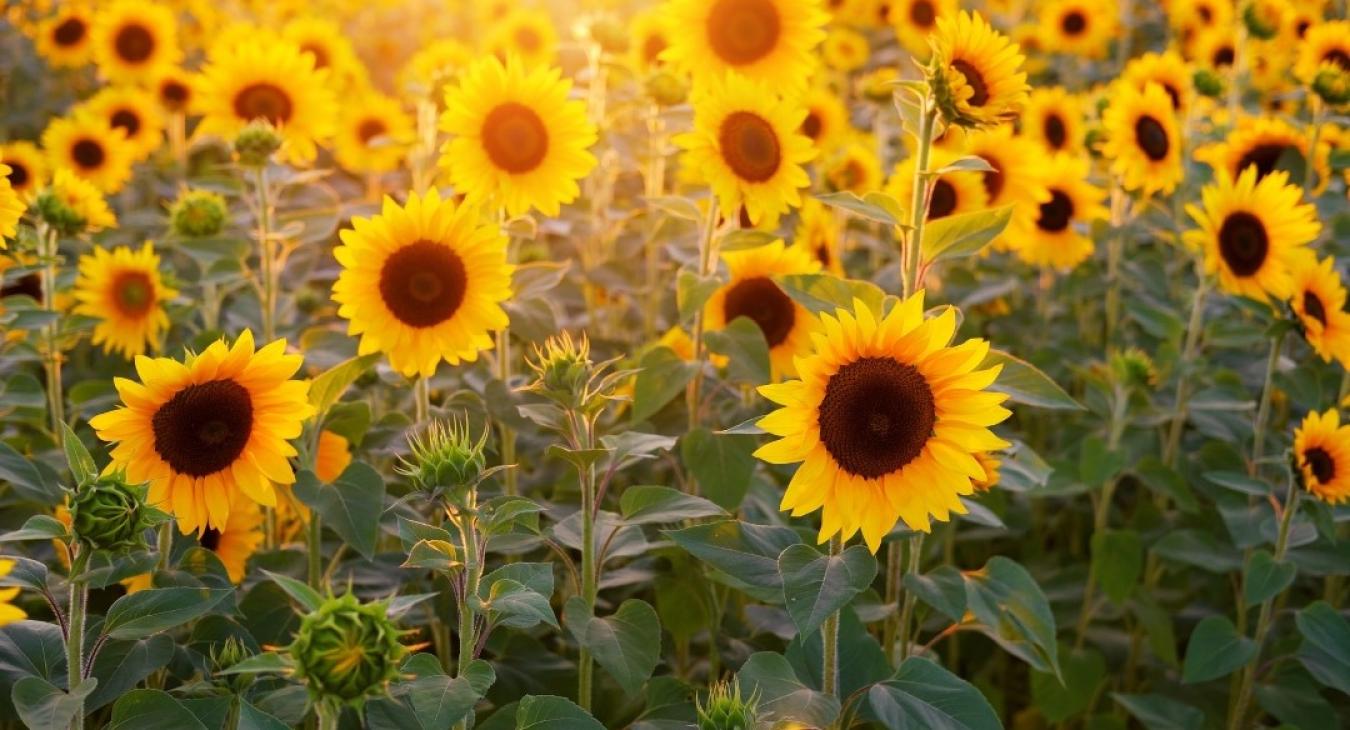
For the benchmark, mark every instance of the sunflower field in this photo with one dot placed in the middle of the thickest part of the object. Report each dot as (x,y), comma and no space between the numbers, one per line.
(665,364)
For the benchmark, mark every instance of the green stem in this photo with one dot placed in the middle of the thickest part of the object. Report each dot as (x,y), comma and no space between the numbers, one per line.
(165,545)
(1238,710)
(473,569)
(1114,245)
(1189,350)
(590,577)
(907,608)
(79,593)
(56,402)
(1263,410)
(421,400)
(328,716)
(895,557)
(1102,510)
(1310,172)
(266,260)
(829,635)
(315,551)
(511,477)
(918,206)
(706,257)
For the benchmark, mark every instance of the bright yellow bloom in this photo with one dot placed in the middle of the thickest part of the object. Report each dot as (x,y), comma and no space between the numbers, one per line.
(124,291)
(65,40)
(88,146)
(978,78)
(752,293)
(1142,139)
(1056,237)
(27,167)
(768,41)
(373,134)
(1318,299)
(134,112)
(1322,454)
(132,38)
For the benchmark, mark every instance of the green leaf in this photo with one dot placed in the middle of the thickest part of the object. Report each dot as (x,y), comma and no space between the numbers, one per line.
(747,552)
(1325,651)
(266,662)
(308,598)
(81,463)
(430,702)
(25,573)
(721,466)
(943,588)
(747,352)
(37,527)
(816,585)
(745,238)
(150,611)
(513,604)
(1084,671)
(1013,611)
(537,278)
(650,504)
(548,712)
(661,377)
(874,206)
(44,706)
(152,709)
(432,555)
(33,482)
(121,665)
(924,696)
(967,163)
(251,718)
(351,505)
(1200,549)
(963,234)
(782,695)
(32,648)
(1238,482)
(1118,560)
(538,577)
(692,292)
(1266,578)
(329,386)
(1215,650)
(1026,384)
(1156,712)
(627,644)
(827,293)
(678,207)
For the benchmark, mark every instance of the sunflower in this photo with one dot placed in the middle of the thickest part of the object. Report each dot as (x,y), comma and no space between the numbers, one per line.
(1214,48)
(87,145)
(915,20)
(517,141)
(423,282)
(27,167)
(649,37)
(374,133)
(845,49)
(853,167)
(746,145)
(1322,454)
(1054,117)
(1254,233)
(124,291)
(133,111)
(434,66)
(1318,299)
(173,89)
(769,41)
(1168,70)
(132,38)
(826,117)
(953,193)
(1014,180)
(886,419)
(818,233)
(9,613)
(201,430)
(1266,143)
(1327,42)
(1142,140)
(264,78)
(1051,237)
(324,40)
(11,207)
(1079,27)
(66,38)
(1191,17)
(976,72)
(238,538)
(82,199)
(526,35)
(751,292)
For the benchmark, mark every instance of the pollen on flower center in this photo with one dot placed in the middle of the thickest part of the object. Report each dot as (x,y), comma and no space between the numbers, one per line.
(876,416)
(515,138)
(765,304)
(743,31)
(1243,243)
(749,146)
(423,283)
(204,427)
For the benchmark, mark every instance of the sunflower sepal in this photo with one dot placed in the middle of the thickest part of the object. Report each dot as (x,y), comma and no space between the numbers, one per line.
(446,461)
(256,143)
(110,515)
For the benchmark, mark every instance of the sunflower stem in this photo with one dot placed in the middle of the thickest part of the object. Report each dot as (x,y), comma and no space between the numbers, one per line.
(1263,410)
(1189,351)
(907,607)
(1238,710)
(165,544)
(473,569)
(706,257)
(56,402)
(829,636)
(584,435)
(265,255)
(421,400)
(918,207)
(507,435)
(1310,171)
(314,548)
(79,593)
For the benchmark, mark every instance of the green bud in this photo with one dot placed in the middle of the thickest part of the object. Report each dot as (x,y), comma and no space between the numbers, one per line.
(1332,84)
(64,219)
(563,368)
(445,456)
(1257,16)
(347,651)
(1133,368)
(725,710)
(1208,83)
(256,143)
(111,515)
(667,89)
(198,214)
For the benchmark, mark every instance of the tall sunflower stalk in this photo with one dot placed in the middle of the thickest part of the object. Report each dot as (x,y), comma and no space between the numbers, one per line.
(48,252)
(707,258)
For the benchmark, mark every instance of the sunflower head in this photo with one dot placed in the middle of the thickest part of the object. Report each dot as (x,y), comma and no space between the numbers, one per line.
(1142,139)
(975,72)
(1332,84)
(726,709)
(770,41)
(111,515)
(256,143)
(1134,369)
(132,39)
(346,652)
(1322,456)
(124,291)
(198,214)
(1317,299)
(72,205)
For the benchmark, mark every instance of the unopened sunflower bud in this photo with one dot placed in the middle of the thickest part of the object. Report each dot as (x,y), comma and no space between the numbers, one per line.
(198,214)
(256,143)
(1133,368)
(1332,84)
(445,456)
(726,710)
(667,89)
(1208,83)
(1262,18)
(562,366)
(56,213)
(346,651)
(229,653)
(110,515)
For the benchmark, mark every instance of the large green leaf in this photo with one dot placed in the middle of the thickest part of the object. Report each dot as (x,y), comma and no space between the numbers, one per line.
(1118,560)
(963,234)
(152,709)
(924,696)
(874,206)
(44,706)
(1084,671)
(1013,611)
(147,612)
(351,505)
(121,665)
(33,481)
(328,386)
(744,552)
(32,648)
(1266,578)
(510,603)
(627,644)
(1026,384)
(783,698)
(825,293)
(650,504)
(943,588)
(308,598)
(430,700)
(1156,712)
(78,459)
(721,465)
(547,712)
(662,375)
(815,585)
(1325,651)
(747,353)
(1215,649)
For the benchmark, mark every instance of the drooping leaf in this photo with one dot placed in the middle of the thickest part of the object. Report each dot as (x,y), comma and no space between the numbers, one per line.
(649,504)
(328,386)
(44,706)
(627,644)
(150,611)
(815,585)
(1325,651)
(782,696)
(1215,650)
(1266,578)
(351,506)
(964,234)
(1026,384)
(924,696)
(1013,611)
(748,553)
(548,712)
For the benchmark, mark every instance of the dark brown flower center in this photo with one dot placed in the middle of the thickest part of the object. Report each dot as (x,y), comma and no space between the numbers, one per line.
(922,14)
(423,283)
(28,285)
(210,539)
(765,304)
(70,32)
(812,125)
(134,293)
(88,154)
(749,146)
(18,174)
(515,138)
(528,40)
(943,201)
(174,93)
(204,427)
(1320,463)
(319,52)
(1055,213)
(370,129)
(1223,57)
(1073,22)
(652,48)
(876,416)
(993,179)
(127,121)
(1265,157)
(134,43)
(1312,306)
(1243,243)
(1173,94)
(1339,57)
(264,100)
(1055,131)
(1151,138)
(979,90)
(742,32)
